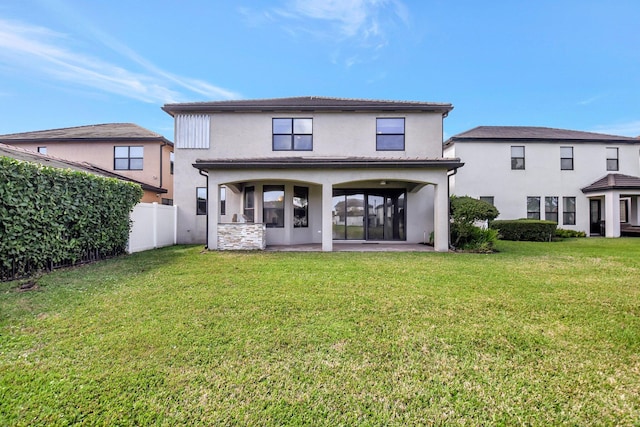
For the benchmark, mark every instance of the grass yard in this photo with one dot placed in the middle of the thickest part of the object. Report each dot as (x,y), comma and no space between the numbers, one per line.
(538,334)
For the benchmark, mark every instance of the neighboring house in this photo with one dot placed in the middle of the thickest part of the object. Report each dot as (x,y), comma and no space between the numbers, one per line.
(124,149)
(25,155)
(310,170)
(583,181)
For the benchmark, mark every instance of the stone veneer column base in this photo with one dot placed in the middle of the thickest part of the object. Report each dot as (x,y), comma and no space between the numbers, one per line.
(242,237)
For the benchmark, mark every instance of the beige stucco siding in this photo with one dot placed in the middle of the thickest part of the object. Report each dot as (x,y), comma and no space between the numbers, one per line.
(249,135)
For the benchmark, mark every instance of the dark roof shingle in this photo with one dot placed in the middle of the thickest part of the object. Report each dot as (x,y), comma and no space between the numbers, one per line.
(306,103)
(614,181)
(533,133)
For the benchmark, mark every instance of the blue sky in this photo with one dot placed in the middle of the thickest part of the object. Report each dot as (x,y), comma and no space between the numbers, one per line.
(564,64)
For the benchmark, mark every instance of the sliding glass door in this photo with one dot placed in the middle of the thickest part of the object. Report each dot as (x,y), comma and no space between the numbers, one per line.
(374,214)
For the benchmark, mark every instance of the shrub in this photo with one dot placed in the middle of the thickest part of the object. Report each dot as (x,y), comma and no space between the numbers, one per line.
(532,230)
(51,217)
(465,234)
(562,233)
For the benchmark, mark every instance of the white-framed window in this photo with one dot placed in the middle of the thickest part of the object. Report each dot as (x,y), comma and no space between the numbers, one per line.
(533,207)
(566,158)
(517,157)
(612,159)
(569,211)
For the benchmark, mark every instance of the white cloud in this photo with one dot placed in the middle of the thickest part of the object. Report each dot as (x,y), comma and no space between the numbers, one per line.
(354,24)
(38,50)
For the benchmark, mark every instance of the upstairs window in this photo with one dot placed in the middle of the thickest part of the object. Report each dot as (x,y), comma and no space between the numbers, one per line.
(612,158)
(42,150)
(390,134)
(517,157)
(292,134)
(128,158)
(533,207)
(566,158)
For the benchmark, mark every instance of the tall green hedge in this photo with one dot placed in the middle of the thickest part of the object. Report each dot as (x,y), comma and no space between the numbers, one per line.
(533,230)
(52,216)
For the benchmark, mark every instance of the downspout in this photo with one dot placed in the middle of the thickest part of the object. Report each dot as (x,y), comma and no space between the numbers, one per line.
(206,175)
(161,146)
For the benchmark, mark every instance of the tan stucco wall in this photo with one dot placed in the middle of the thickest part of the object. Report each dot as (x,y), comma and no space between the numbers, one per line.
(334,134)
(101,154)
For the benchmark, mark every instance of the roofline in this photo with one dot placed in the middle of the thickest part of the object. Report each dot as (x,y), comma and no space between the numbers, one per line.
(10,141)
(454,139)
(318,163)
(364,106)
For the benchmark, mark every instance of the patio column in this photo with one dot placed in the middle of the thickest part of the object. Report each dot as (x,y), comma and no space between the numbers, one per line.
(441,218)
(213,212)
(327,217)
(612,214)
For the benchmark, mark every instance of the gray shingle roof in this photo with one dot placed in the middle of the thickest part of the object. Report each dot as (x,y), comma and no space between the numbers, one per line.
(532,133)
(614,181)
(306,103)
(98,132)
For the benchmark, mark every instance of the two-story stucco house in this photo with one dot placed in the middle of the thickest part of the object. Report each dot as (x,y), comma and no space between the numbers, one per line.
(583,181)
(307,170)
(123,149)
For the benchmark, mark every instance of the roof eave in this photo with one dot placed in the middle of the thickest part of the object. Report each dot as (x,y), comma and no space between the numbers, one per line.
(173,109)
(244,164)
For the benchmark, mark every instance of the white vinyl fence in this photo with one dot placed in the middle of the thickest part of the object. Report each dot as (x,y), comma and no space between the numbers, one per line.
(154,226)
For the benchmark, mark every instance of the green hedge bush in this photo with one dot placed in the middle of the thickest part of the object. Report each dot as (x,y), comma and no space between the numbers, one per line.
(532,230)
(563,233)
(52,216)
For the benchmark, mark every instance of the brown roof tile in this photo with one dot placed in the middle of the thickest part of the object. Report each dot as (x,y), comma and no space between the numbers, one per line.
(614,181)
(107,131)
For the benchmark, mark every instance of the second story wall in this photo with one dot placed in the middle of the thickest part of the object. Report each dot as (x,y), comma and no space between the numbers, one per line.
(322,134)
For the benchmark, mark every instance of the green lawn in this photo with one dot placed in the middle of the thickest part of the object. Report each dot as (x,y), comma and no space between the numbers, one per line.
(537,334)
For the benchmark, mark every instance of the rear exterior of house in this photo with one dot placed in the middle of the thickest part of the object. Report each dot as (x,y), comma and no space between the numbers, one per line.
(310,170)
(124,149)
(583,181)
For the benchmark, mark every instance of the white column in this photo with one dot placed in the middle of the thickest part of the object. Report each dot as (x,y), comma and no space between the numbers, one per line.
(213,212)
(612,213)
(327,217)
(441,218)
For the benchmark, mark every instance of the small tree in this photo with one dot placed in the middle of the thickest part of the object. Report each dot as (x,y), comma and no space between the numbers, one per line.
(465,213)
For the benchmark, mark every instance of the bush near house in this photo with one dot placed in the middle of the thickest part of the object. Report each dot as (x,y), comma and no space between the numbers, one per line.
(466,212)
(531,230)
(51,217)
(563,233)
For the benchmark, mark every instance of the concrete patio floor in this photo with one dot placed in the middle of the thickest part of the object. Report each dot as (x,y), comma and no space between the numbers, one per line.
(355,247)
